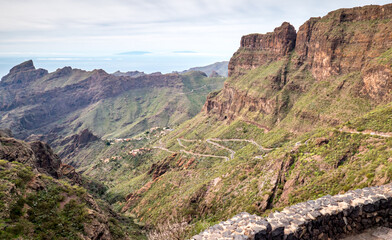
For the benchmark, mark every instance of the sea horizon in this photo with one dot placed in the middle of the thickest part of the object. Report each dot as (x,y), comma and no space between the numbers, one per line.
(144,63)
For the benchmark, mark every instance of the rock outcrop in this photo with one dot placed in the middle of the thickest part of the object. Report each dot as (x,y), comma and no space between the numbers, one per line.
(235,103)
(259,49)
(129,74)
(38,155)
(22,74)
(77,141)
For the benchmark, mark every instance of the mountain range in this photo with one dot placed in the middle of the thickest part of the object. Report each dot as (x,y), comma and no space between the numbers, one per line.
(51,106)
(303,113)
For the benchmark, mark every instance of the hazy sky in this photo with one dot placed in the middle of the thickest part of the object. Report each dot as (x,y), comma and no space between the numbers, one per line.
(213,28)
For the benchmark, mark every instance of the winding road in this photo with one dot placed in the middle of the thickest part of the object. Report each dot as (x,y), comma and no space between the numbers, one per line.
(204,155)
(214,141)
(164,149)
(366,132)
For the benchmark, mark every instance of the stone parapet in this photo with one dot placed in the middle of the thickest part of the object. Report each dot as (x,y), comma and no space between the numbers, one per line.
(329,217)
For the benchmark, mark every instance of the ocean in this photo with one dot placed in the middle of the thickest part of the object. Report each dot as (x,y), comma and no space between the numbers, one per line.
(146,63)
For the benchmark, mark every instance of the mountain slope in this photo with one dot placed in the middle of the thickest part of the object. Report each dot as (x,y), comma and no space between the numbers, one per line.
(302,114)
(68,101)
(275,135)
(37,200)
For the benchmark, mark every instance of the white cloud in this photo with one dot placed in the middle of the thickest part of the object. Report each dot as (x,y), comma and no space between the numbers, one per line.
(104,27)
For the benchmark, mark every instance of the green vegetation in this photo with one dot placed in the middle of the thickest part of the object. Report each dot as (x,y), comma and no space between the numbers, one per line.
(386,58)
(39,214)
(278,136)
(142,108)
(41,207)
(380,119)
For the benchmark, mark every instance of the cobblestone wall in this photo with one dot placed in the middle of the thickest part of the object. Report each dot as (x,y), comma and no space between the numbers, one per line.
(329,217)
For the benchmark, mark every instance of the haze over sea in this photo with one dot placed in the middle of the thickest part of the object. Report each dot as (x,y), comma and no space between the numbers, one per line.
(147,36)
(147,62)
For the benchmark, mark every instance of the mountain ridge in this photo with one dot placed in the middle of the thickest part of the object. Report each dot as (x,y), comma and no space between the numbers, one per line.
(34,101)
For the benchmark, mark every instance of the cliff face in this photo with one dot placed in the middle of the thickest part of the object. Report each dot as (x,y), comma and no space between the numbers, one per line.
(259,49)
(270,72)
(345,40)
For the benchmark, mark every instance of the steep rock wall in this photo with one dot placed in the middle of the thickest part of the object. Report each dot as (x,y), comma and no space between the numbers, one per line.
(345,40)
(258,49)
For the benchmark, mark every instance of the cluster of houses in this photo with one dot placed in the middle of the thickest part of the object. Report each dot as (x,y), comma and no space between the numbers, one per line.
(138,151)
(142,137)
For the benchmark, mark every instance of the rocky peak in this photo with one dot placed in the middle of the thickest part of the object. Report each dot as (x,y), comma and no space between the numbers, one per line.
(280,41)
(99,72)
(77,141)
(258,49)
(22,74)
(129,74)
(62,72)
(214,74)
(85,137)
(25,66)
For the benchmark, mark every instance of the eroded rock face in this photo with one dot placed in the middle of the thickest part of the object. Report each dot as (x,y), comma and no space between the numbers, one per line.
(38,155)
(46,159)
(75,143)
(377,82)
(236,102)
(258,49)
(345,40)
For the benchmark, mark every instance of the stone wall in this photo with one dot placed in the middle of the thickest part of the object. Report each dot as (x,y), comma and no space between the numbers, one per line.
(329,217)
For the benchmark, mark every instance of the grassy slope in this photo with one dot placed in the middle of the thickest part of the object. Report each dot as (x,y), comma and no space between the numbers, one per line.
(311,157)
(140,109)
(287,175)
(31,213)
(246,183)
(212,190)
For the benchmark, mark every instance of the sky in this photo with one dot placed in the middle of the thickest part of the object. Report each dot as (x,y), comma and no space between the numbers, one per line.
(149,35)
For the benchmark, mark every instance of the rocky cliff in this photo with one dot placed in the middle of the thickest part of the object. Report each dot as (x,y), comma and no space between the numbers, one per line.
(345,40)
(270,73)
(259,49)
